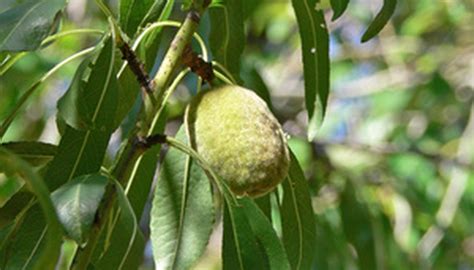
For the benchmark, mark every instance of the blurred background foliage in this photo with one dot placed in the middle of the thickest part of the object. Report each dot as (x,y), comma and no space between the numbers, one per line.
(391,171)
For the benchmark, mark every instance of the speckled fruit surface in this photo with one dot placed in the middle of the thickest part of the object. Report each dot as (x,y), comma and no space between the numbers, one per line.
(235,132)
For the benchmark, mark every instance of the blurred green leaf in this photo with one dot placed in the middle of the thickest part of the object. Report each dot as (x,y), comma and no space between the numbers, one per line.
(22,253)
(35,153)
(182,214)
(91,100)
(297,217)
(315,49)
(338,6)
(26,24)
(227,37)
(77,202)
(380,20)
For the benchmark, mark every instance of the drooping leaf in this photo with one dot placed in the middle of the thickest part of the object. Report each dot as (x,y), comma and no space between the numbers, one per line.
(77,202)
(240,249)
(338,7)
(380,20)
(35,153)
(297,218)
(227,37)
(91,100)
(266,236)
(315,50)
(182,214)
(127,243)
(21,253)
(23,26)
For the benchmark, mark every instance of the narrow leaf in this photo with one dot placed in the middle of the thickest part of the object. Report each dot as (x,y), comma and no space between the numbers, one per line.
(53,234)
(227,37)
(91,100)
(136,13)
(239,246)
(149,47)
(25,25)
(182,214)
(315,49)
(297,217)
(380,20)
(77,202)
(126,238)
(266,236)
(35,153)
(338,6)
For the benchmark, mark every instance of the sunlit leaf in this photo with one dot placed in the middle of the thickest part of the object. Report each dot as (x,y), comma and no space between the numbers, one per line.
(315,49)
(297,218)
(23,26)
(182,214)
(227,37)
(77,202)
(380,20)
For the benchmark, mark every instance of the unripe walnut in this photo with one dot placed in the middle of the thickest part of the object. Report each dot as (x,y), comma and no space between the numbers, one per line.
(235,132)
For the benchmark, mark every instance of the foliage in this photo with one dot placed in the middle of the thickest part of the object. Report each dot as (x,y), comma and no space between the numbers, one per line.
(380,134)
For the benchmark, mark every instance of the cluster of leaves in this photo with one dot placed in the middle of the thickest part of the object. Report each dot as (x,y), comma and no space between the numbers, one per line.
(277,231)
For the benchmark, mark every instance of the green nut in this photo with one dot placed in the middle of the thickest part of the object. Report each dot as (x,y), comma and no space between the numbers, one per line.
(235,132)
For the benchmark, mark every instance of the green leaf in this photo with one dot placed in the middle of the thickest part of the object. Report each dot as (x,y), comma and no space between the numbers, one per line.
(21,255)
(227,37)
(25,25)
(91,100)
(338,6)
(240,249)
(266,236)
(77,202)
(137,13)
(79,152)
(127,242)
(149,46)
(12,208)
(182,214)
(380,20)
(315,49)
(35,153)
(297,218)
(9,186)
(253,80)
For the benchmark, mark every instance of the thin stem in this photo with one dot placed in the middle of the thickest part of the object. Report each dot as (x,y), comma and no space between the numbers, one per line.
(226,72)
(71,32)
(222,77)
(10,60)
(6,123)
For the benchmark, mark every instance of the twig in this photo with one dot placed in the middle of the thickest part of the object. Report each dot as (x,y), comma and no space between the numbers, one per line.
(197,65)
